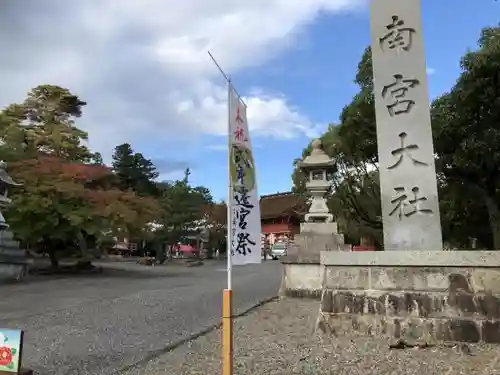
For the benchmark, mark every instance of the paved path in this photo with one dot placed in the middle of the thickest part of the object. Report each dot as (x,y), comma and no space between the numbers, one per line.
(100,324)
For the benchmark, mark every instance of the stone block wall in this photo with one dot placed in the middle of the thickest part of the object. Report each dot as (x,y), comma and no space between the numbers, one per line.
(421,297)
(302,276)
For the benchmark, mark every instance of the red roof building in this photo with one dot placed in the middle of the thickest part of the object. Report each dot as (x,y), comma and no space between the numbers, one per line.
(281,216)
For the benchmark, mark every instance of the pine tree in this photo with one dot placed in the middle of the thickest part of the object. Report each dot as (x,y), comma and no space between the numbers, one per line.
(134,171)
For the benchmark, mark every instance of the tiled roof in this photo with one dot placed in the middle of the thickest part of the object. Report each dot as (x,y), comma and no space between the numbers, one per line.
(217,212)
(271,206)
(281,204)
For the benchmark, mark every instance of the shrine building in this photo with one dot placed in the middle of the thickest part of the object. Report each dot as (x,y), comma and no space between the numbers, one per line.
(281,214)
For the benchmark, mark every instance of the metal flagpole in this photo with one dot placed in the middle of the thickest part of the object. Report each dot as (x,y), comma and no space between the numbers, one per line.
(230,190)
(227,296)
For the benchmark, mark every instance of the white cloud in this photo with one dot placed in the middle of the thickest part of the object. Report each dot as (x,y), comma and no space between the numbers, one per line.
(143,66)
(267,115)
(431,71)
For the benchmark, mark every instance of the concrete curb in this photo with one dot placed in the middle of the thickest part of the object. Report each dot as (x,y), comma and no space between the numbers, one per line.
(156,353)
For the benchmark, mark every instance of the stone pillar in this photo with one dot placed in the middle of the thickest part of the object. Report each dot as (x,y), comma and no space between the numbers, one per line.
(410,205)
(426,295)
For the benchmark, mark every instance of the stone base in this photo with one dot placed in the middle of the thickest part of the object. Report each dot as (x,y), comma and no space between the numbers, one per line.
(13,262)
(302,276)
(316,237)
(325,217)
(319,228)
(425,297)
(409,323)
(314,243)
(13,270)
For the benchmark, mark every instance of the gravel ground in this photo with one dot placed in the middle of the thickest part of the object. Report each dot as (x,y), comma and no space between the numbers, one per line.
(278,339)
(99,324)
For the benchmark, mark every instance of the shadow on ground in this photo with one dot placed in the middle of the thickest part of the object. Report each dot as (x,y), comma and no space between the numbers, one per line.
(94,273)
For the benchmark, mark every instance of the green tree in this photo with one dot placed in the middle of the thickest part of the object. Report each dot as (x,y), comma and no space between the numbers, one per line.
(357,128)
(134,171)
(216,220)
(355,196)
(355,193)
(68,193)
(466,127)
(44,123)
(97,159)
(463,218)
(183,209)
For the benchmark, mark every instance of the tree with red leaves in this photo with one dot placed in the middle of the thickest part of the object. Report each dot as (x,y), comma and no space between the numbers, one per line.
(62,200)
(68,194)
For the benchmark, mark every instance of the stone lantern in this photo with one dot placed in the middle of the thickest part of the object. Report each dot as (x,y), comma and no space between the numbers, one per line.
(5,182)
(319,231)
(317,167)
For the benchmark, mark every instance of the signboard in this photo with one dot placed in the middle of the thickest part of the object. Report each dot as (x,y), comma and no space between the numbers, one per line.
(11,346)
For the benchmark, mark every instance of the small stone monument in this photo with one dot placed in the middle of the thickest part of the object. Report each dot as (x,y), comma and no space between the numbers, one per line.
(13,262)
(319,230)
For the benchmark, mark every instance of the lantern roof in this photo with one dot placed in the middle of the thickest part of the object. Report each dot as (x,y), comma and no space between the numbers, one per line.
(317,158)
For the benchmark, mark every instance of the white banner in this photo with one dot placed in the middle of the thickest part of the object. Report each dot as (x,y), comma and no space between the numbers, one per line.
(245,226)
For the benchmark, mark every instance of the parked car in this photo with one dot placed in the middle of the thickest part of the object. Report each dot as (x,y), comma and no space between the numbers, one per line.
(278,250)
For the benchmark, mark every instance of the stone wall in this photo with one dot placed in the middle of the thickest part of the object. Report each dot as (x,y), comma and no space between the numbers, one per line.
(419,296)
(302,272)
(302,276)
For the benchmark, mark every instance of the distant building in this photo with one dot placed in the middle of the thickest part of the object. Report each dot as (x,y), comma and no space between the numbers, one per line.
(281,214)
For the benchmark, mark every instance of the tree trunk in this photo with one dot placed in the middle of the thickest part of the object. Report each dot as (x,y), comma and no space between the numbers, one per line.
(86,260)
(160,253)
(142,247)
(494,219)
(210,252)
(54,261)
(168,251)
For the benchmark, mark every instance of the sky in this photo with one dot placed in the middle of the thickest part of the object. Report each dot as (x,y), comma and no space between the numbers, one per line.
(143,68)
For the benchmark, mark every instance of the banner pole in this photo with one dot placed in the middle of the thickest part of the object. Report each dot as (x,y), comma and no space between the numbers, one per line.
(227,297)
